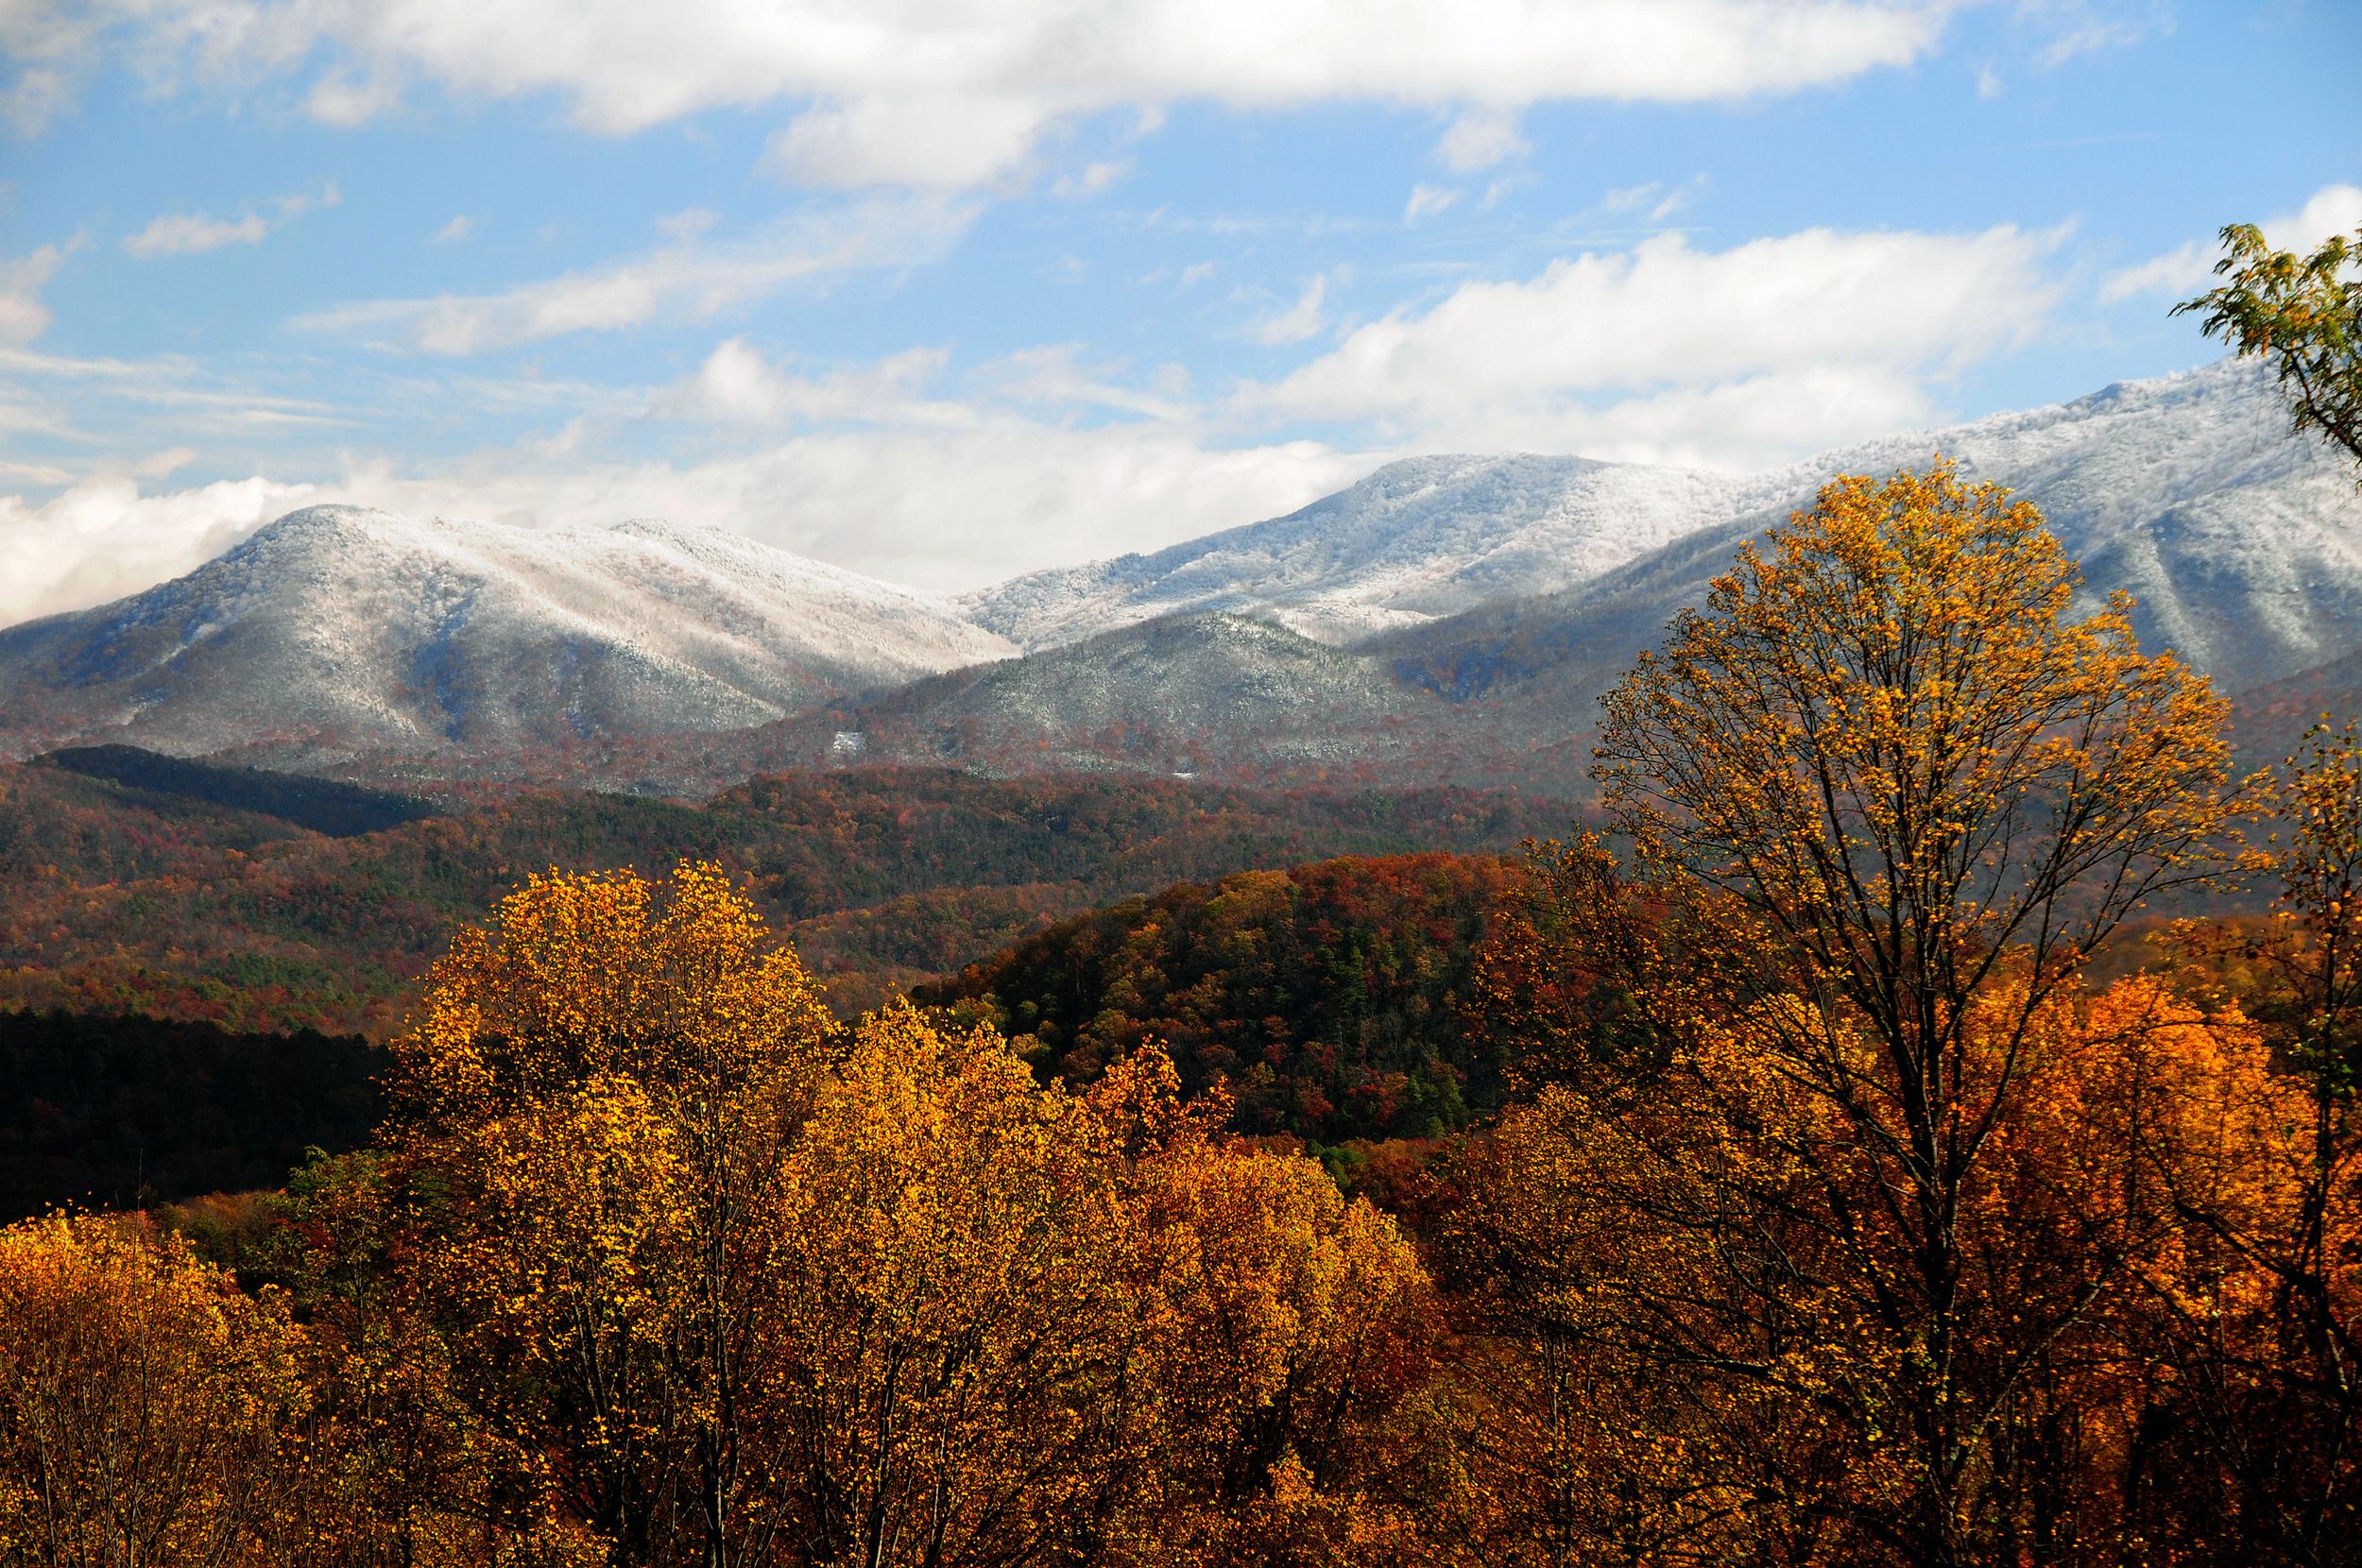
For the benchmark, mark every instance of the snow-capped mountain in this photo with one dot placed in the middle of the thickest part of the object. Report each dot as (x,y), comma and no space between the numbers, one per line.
(1448,617)
(1223,697)
(338,630)
(1182,692)
(2241,543)
(2244,544)
(1418,539)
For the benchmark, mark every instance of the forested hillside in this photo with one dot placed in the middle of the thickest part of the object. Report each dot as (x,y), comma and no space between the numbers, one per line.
(1333,1001)
(125,898)
(121,1113)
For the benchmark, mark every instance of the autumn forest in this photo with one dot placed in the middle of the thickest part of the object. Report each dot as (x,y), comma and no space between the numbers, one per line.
(1906,1116)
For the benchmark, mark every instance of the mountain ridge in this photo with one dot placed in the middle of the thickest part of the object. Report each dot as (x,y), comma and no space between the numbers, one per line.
(370,629)
(1446,618)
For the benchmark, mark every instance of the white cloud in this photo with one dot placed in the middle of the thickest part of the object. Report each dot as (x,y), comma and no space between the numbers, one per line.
(2069,28)
(331,195)
(48,48)
(873,464)
(690,223)
(157,464)
(1744,424)
(945,508)
(1094,177)
(458,229)
(1745,356)
(1499,190)
(954,93)
(195,398)
(1479,138)
(1661,201)
(687,279)
(736,384)
(1426,200)
(1866,318)
(2188,269)
(928,141)
(100,538)
(1055,378)
(193,234)
(345,101)
(1299,320)
(23,316)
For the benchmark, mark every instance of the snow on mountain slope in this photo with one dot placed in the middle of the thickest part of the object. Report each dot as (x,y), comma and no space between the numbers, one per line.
(361,630)
(1419,539)
(1212,695)
(1460,612)
(1203,676)
(2180,488)
(2242,544)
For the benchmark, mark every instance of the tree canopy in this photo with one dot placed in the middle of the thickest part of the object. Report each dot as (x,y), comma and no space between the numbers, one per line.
(2303,314)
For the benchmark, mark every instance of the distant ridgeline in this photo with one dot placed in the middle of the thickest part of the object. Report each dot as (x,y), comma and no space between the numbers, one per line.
(132,883)
(122,1112)
(324,806)
(1446,620)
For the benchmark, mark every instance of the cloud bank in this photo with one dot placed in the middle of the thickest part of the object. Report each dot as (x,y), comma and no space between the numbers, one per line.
(956,94)
(1756,353)
(692,276)
(913,468)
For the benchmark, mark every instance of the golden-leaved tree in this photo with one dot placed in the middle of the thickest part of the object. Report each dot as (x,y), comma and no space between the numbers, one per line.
(961,1345)
(2269,1432)
(1886,793)
(719,1282)
(593,1120)
(2301,315)
(149,1410)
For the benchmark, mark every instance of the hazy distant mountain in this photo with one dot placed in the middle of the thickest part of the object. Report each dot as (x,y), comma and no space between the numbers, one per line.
(338,629)
(1205,674)
(1217,694)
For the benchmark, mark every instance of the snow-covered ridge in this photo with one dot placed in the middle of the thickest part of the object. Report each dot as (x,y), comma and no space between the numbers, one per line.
(382,631)
(1429,538)
(338,631)
(1422,537)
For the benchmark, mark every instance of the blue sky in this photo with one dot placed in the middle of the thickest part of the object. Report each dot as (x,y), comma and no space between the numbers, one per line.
(945,290)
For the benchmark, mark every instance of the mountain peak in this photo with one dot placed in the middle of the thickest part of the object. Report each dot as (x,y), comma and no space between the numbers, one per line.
(328,521)
(663,529)
(353,630)
(1418,538)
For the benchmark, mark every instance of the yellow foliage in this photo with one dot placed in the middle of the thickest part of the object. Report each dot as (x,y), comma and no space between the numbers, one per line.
(148,1407)
(721,1279)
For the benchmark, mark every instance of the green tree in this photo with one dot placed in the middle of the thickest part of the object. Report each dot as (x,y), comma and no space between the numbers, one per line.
(2302,313)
